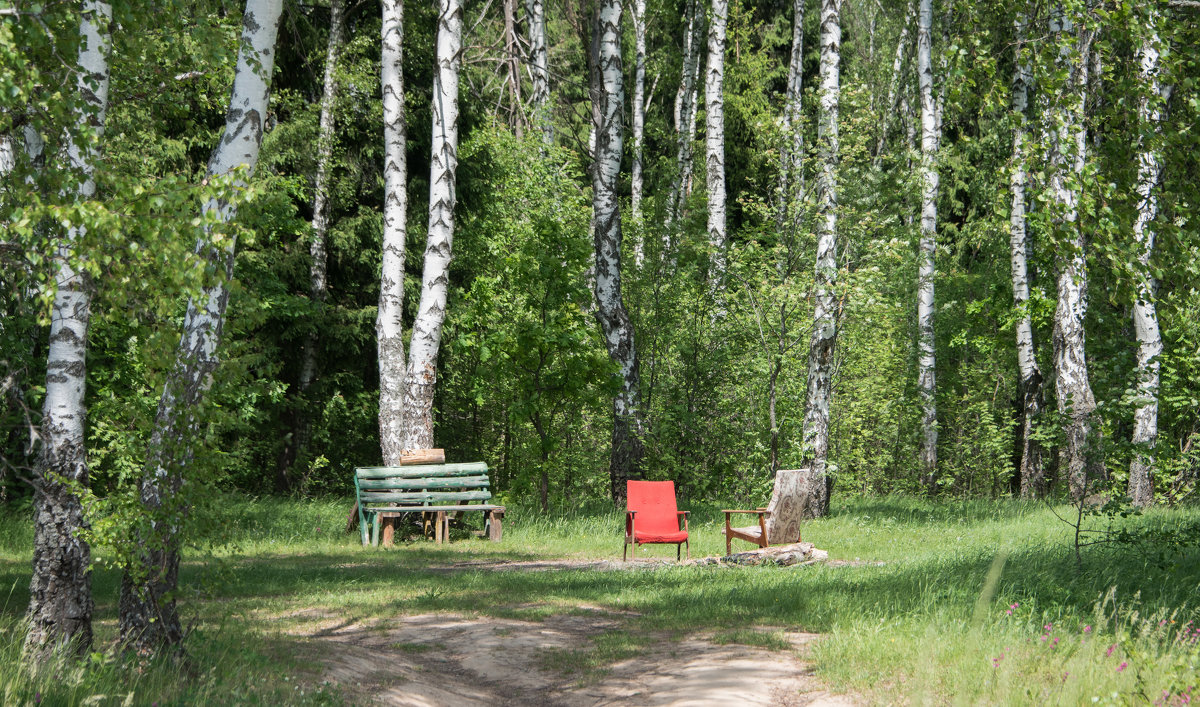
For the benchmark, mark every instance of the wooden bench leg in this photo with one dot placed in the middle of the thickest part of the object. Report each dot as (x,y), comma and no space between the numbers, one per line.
(375,530)
(389,531)
(494,525)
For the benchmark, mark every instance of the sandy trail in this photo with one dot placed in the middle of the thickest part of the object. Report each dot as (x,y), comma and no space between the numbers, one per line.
(453,660)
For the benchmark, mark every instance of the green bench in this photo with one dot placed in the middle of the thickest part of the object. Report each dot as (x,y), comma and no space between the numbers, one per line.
(386,493)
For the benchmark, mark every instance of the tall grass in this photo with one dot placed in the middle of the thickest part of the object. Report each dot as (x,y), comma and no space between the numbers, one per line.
(916,602)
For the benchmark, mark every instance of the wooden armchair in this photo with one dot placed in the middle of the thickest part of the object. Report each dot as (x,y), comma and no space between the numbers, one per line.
(779,522)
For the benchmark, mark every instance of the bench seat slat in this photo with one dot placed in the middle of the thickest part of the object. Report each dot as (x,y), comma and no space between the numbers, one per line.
(469,482)
(421,470)
(423,497)
(430,509)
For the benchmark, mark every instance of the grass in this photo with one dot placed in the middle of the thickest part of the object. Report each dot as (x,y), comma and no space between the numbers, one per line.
(910,611)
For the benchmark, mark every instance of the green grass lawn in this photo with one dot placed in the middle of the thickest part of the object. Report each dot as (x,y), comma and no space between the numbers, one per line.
(971,602)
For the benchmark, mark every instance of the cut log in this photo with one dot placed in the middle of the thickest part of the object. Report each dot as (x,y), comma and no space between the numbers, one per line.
(796,554)
(409,457)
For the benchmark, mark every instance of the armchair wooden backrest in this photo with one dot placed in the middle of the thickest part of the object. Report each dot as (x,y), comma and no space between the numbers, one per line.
(786,508)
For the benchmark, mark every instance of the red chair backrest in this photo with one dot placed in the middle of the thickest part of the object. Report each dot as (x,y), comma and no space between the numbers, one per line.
(654,502)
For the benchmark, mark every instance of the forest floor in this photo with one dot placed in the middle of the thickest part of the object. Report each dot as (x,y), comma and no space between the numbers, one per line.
(922,602)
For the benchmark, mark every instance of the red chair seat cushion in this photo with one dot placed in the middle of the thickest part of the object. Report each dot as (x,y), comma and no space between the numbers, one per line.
(659,537)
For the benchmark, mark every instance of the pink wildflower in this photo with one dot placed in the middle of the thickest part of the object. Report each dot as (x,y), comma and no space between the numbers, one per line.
(1087,629)
(1111,648)
(1122,666)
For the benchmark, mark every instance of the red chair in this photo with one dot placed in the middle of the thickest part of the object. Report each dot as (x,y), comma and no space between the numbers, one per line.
(652,517)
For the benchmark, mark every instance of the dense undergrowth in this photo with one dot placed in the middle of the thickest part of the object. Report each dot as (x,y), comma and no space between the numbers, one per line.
(974,602)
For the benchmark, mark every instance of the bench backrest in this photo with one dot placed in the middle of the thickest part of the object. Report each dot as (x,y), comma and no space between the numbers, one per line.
(430,484)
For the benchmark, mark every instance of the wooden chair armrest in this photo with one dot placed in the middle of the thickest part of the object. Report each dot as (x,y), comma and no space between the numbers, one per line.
(761,511)
(682,513)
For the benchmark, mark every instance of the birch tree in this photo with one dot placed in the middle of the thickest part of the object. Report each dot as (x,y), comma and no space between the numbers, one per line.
(148,617)
(535,11)
(1151,106)
(60,592)
(1068,157)
(319,266)
(791,151)
(825,315)
(607,103)
(638,113)
(714,137)
(389,321)
(1033,481)
(685,115)
(421,379)
(930,137)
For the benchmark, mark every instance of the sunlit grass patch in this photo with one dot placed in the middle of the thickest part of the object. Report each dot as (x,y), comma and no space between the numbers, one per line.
(592,661)
(771,640)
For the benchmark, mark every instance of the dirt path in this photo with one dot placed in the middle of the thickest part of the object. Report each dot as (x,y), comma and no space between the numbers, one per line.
(449,659)
(462,661)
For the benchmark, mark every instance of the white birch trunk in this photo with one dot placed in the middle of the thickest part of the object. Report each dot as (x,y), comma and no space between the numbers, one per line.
(319,265)
(1145,313)
(535,11)
(389,322)
(638,116)
(421,380)
(930,139)
(685,117)
(714,138)
(1032,473)
(1068,157)
(825,316)
(8,155)
(607,102)
(60,592)
(148,618)
(791,151)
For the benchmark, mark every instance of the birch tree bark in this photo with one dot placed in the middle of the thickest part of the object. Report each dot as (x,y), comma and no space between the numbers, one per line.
(535,11)
(1068,158)
(318,267)
(714,138)
(926,361)
(825,316)
(1032,473)
(421,379)
(685,116)
(60,591)
(638,113)
(148,618)
(791,151)
(389,322)
(607,102)
(1145,314)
